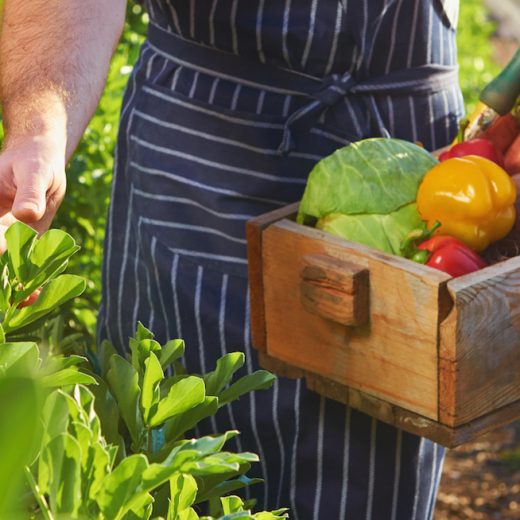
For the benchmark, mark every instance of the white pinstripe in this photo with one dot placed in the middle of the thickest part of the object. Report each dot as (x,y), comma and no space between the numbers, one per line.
(310,34)
(208,256)
(364,36)
(337,31)
(151,319)
(192,19)
(159,291)
(259,19)
(285,30)
(393,37)
(175,17)
(211,22)
(213,90)
(346,455)
(236,94)
(420,458)
(433,476)
(252,401)
(397,474)
(413,29)
(294,455)
(190,202)
(190,227)
(371,469)
(122,273)
(175,294)
(319,460)
(218,165)
(194,84)
(233,25)
(279,438)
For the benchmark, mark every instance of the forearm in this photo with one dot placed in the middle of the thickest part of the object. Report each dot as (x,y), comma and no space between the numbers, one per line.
(54,57)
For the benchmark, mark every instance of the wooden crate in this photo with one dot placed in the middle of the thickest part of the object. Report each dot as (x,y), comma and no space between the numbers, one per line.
(403,342)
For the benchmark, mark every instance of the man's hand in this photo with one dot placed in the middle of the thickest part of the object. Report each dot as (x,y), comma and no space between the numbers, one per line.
(54,58)
(32,182)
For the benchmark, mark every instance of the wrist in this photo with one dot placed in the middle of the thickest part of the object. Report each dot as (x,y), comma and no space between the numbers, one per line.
(40,117)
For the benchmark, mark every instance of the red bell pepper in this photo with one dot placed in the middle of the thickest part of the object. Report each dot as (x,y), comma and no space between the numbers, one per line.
(441,252)
(451,256)
(481,147)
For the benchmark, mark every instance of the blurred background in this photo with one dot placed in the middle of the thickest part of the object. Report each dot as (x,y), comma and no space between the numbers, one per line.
(480,480)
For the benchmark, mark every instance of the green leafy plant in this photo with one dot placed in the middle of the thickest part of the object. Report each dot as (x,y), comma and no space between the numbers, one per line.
(109,440)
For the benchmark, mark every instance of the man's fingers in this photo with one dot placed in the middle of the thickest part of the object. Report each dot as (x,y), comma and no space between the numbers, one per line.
(30,199)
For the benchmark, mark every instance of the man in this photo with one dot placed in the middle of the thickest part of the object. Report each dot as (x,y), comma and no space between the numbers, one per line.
(230,105)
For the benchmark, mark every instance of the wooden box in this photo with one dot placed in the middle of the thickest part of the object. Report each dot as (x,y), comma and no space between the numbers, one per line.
(408,344)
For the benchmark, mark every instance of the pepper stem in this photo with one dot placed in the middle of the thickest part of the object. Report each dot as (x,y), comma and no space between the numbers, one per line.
(463,125)
(409,247)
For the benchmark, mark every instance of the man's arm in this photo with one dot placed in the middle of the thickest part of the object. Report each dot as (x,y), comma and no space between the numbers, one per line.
(54,58)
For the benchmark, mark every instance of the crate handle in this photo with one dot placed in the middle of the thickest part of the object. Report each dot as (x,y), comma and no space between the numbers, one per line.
(334,289)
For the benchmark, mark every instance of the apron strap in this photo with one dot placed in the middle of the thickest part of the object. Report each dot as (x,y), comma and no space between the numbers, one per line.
(323,92)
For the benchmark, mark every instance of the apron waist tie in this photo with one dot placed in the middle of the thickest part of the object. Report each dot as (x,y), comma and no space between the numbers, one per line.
(324,92)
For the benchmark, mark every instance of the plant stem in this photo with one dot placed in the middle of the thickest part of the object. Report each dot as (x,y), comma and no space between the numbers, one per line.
(46,512)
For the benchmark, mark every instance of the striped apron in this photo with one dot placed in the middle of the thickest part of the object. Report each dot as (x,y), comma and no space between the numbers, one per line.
(230,105)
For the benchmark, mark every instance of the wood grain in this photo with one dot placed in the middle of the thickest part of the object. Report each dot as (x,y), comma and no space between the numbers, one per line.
(254,229)
(335,289)
(480,344)
(394,357)
(382,410)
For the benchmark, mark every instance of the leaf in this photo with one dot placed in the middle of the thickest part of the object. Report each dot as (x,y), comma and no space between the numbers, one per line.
(378,175)
(19,359)
(183,490)
(178,425)
(221,376)
(19,432)
(59,475)
(121,486)
(56,292)
(232,504)
(108,412)
(124,384)
(228,486)
(259,380)
(20,239)
(150,393)
(67,376)
(171,351)
(56,414)
(183,396)
(383,232)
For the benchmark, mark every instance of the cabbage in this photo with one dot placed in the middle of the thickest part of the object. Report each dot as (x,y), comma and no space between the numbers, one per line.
(365,192)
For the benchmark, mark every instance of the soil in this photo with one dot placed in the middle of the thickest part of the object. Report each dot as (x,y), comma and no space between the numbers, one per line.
(481,480)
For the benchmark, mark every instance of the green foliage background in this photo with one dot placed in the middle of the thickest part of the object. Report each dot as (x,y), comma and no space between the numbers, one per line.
(83,213)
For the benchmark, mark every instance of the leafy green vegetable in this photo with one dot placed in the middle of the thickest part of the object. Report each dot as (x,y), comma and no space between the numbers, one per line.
(366,191)
(384,232)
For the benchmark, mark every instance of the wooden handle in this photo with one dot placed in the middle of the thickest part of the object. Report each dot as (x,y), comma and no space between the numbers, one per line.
(335,289)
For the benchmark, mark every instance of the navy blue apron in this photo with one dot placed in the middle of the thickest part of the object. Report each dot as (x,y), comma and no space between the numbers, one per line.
(230,105)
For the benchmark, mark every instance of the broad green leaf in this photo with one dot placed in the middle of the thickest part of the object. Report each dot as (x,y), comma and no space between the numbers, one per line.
(67,376)
(259,380)
(226,487)
(56,292)
(183,490)
(171,351)
(377,175)
(5,290)
(104,352)
(178,425)
(221,376)
(98,467)
(124,384)
(20,239)
(232,504)
(59,475)
(183,396)
(56,414)
(108,412)
(19,359)
(150,393)
(121,486)
(384,232)
(19,414)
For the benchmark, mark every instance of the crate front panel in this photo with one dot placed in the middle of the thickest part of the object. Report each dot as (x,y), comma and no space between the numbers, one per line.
(394,357)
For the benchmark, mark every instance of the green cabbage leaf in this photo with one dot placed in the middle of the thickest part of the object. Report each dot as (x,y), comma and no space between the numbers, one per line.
(366,191)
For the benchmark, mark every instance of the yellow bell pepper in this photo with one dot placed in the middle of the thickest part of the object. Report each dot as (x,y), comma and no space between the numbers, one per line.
(473,199)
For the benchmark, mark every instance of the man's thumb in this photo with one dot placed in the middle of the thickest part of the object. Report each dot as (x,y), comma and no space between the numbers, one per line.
(30,200)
